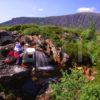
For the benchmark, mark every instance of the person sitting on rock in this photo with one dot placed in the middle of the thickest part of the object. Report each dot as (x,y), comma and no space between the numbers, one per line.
(28,54)
(11,57)
(19,48)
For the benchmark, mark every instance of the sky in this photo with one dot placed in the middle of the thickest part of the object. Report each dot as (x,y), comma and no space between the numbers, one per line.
(42,8)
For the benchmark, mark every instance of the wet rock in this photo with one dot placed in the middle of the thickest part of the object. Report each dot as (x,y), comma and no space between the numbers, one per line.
(46,95)
(13,77)
(10,70)
(5,37)
(9,46)
(30,90)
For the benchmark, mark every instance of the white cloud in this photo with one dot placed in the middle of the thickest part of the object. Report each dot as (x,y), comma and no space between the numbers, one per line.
(86,9)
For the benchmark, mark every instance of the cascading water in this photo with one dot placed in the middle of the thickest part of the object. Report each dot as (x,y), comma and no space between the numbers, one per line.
(42,61)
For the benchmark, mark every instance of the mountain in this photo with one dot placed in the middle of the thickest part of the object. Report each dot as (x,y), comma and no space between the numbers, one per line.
(73,20)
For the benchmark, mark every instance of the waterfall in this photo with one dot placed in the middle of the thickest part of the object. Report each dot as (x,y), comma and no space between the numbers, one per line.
(42,61)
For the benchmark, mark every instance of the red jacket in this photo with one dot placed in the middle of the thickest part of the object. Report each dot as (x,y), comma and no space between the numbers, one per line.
(13,54)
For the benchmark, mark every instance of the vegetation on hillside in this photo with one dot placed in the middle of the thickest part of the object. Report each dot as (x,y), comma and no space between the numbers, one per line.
(71,40)
(75,87)
(77,43)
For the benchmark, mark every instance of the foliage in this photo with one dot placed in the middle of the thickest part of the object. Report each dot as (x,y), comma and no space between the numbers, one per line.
(69,86)
(4,27)
(75,87)
(90,92)
(94,51)
(56,40)
(86,45)
(71,48)
(91,43)
(51,29)
(89,34)
(73,30)
(15,28)
(31,31)
(24,26)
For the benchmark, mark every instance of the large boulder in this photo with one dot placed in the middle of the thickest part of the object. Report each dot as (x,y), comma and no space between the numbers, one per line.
(13,77)
(5,38)
(19,80)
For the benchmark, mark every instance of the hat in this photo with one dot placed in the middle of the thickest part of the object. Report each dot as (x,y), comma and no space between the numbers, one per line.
(27,44)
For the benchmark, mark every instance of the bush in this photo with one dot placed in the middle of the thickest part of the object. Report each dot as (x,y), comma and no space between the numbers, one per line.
(75,87)
(24,26)
(90,92)
(31,31)
(69,86)
(4,27)
(15,28)
(89,34)
(51,29)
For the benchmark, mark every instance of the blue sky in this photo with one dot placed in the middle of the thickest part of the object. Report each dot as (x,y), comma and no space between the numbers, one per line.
(41,8)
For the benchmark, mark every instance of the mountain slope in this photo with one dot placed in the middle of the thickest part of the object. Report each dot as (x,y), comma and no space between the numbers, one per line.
(73,20)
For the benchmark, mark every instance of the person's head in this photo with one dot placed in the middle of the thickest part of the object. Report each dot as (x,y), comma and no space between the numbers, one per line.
(17,39)
(22,43)
(33,44)
(27,45)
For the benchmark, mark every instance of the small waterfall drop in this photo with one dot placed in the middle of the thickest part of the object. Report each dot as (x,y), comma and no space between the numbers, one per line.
(42,60)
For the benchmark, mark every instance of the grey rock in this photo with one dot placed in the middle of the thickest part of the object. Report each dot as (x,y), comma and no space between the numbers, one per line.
(5,37)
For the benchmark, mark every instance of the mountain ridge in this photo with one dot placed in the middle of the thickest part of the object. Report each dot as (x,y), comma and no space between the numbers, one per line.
(73,20)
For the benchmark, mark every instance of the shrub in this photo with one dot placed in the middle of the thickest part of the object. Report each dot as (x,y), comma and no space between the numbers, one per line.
(4,27)
(89,34)
(51,29)
(15,28)
(75,87)
(24,26)
(69,87)
(90,92)
(31,31)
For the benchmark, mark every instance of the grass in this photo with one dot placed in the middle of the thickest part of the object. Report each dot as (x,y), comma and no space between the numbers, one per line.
(97,79)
